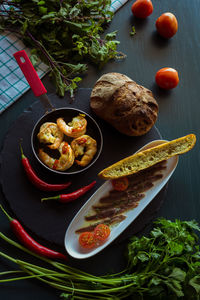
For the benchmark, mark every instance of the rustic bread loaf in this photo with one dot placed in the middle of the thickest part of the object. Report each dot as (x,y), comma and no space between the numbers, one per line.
(149,157)
(127,106)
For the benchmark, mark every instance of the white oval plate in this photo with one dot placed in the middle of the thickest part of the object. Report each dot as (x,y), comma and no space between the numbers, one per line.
(71,238)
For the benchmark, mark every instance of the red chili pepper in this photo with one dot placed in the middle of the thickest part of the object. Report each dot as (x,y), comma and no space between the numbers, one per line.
(65,148)
(82,141)
(64,198)
(29,242)
(55,164)
(40,184)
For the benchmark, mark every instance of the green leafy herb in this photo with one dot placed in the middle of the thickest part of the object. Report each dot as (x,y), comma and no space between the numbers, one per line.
(164,265)
(64,34)
(170,256)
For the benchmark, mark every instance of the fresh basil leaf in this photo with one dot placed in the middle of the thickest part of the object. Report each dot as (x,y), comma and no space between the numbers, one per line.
(24,26)
(64,32)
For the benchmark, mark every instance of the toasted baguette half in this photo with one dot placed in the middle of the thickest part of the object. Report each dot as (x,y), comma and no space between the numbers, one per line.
(149,157)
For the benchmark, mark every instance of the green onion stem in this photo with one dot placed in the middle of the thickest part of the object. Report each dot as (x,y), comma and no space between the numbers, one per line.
(20,278)
(10,272)
(50,275)
(58,265)
(66,268)
(5,212)
(78,274)
(63,286)
(76,278)
(17,245)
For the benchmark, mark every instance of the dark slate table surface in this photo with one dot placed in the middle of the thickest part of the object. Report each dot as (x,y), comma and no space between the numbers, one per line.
(178,115)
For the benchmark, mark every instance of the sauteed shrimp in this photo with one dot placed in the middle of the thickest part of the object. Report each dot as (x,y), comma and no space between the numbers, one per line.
(75,128)
(50,133)
(65,161)
(85,146)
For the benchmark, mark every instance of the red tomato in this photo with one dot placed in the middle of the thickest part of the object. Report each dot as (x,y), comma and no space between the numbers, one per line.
(120,184)
(101,232)
(142,8)
(167,25)
(167,78)
(86,240)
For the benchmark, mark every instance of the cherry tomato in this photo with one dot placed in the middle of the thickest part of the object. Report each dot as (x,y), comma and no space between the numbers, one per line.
(120,184)
(167,78)
(101,232)
(142,8)
(86,240)
(167,25)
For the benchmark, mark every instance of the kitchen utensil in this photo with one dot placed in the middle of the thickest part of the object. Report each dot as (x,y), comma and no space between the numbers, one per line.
(51,114)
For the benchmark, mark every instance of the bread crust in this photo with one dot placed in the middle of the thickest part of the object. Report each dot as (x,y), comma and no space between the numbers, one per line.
(147,158)
(127,106)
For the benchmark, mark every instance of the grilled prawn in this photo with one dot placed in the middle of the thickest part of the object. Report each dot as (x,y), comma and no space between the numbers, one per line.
(75,128)
(86,147)
(50,134)
(65,160)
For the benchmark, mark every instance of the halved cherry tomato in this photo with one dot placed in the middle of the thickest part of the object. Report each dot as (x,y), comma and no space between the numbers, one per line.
(86,240)
(101,232)
(120,184)
(142,8)
(167,25)
(167,78)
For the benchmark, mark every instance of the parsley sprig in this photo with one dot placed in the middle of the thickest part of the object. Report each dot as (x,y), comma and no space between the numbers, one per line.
(163,265)
(64,34)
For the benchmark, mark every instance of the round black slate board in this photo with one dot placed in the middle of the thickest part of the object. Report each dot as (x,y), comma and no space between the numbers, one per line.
(50,220)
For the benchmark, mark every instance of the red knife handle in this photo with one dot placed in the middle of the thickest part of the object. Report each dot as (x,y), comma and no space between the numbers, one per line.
(30,73)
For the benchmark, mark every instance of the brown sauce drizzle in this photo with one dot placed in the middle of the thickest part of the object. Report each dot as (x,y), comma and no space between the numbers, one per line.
(111,207)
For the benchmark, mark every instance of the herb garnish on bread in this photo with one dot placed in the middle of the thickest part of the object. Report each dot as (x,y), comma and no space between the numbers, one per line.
(146,158)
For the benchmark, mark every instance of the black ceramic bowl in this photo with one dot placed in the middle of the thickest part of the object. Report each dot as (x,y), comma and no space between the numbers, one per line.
(68,114)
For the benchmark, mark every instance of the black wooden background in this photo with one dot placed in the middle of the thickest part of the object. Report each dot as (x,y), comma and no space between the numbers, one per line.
(178,115)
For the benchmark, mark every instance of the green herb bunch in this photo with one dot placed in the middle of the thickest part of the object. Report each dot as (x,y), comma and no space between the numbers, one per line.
(164,265)
(167,263)
(64,34)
